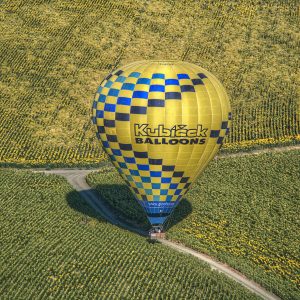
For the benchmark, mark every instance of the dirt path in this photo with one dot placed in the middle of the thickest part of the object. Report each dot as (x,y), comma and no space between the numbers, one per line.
(77,179)
(225,269)
(259,151)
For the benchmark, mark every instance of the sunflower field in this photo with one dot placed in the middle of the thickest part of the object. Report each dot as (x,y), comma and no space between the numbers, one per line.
(54,54)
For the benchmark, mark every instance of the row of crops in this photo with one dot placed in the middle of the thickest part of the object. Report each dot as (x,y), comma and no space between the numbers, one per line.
(253,125)
(54,54)
(249,221)
(53,246)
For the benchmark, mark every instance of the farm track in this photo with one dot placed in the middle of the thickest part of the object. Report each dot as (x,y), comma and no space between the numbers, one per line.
(77,179)
(260,151)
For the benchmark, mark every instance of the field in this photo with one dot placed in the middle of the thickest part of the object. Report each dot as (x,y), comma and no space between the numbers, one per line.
(54,54)
(249,221)
(53,246)
(243,211)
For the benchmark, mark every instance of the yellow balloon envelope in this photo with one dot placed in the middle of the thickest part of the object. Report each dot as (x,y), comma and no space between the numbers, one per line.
(161,122)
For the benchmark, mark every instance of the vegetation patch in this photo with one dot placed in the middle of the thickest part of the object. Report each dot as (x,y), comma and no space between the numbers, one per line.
(244,211)
(54,55)
(54,246)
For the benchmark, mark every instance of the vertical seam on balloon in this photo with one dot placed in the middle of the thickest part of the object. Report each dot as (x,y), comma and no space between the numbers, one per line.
(181,146)
(219,98)
(217,81)
(208,137)
(142,69)
(147,68)
(155,71)
(197,169)
(139,69)
(173,72)
(165,119)
(194,146)
(131,66)
(147,145)
(175,124)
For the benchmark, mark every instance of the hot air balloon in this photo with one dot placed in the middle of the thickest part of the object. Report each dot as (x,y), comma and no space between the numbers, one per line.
(161,122)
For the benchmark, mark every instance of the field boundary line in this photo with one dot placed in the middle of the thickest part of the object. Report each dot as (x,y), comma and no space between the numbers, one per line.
(107,163)
(259,151)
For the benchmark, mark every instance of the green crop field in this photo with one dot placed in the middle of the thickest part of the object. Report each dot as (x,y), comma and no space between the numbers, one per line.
(54,54)
(53,246)
(244,211)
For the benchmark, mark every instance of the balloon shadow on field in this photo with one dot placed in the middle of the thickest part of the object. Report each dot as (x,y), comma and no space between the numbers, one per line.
(79,204)
(117,205)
